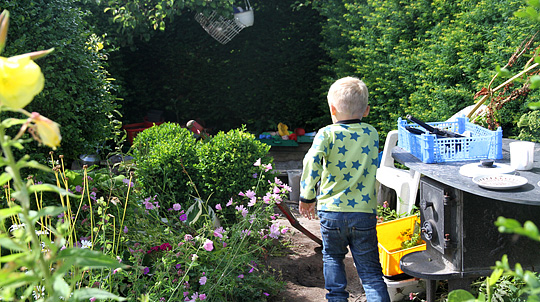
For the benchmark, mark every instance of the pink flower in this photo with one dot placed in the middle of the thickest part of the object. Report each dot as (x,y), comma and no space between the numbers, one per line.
(284,230)
(188,237)
(230,202)
(177,207)
(125,229)
(202,297)
(274,231)
(266,294)
(267,167)
(252,202)
(146,270)
(218,207)
(208,245)
(183,217)
(241,276)
(257,163)
(219,232)
(92,299)
(202,280)
(250,194)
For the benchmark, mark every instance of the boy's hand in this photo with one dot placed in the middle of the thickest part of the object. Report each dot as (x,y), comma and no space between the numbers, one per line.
(307,210)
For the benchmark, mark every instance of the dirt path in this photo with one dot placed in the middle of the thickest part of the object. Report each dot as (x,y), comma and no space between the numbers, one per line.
(302,266)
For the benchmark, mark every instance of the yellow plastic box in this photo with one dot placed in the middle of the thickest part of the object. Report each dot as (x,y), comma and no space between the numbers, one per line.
(390,238)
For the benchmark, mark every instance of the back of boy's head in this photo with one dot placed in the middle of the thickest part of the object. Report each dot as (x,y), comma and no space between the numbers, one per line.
(349,95)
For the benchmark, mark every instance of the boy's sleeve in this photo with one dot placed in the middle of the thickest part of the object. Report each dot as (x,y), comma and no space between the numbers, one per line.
(313,168)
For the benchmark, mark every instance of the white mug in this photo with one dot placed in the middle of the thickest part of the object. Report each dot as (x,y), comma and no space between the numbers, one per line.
(521,155)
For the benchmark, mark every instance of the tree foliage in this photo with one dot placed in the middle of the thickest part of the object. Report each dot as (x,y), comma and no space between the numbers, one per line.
(425,58)
(78,93)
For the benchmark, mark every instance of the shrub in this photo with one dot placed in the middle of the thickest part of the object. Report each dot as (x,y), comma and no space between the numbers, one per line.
(166,158)
(78,91)
(226,165)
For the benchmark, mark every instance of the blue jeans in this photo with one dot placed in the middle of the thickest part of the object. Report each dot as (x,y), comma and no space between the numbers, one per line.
(357,231)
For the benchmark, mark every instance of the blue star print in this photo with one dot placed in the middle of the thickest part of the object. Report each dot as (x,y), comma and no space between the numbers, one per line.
(316,159)
(360,186)
(337,201)
(340,136)
(367,131)
(365,149)
(341,165)
(342,150)
(366,172)
(331,146)
(347,176)
(355,136)
(324,207)
(314,174)
(303,184)
(376,145)
(331,178)
(347,191)
(345,126)
(365,198)
(356,164)
(330,192)
(375,161)
(352,203)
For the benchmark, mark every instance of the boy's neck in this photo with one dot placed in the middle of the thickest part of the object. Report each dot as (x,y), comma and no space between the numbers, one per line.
(344,117)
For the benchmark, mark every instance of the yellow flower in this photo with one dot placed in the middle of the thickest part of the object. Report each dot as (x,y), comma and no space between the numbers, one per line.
(48,132)
(20,80)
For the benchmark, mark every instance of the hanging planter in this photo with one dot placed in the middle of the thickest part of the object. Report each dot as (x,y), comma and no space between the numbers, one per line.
(244,17)
(223,29)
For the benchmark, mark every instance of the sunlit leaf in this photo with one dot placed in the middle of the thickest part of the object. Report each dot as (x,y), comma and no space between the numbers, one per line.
(8,212)
(460,295)
(87,293)
(9,244)
(89,258)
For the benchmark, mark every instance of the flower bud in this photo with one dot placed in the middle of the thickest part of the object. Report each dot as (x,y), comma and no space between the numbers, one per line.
(4,24)
(48,132)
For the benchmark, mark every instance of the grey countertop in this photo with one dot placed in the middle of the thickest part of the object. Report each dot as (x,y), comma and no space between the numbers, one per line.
(448,173)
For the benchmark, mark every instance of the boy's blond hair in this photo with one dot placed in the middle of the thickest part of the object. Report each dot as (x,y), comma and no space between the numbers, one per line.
(349,95)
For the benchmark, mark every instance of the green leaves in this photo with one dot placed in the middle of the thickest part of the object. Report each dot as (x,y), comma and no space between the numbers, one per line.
(88,258)
(509,225)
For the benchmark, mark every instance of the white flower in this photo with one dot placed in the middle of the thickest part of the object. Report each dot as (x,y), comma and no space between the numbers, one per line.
(39,292)
(85,244)
(16,227)
(39,233)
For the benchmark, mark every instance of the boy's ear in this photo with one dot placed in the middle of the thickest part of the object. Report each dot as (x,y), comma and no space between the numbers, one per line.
(366,112)
(333,109)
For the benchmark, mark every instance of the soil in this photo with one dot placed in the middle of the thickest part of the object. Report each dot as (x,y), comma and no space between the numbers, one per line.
(301,265)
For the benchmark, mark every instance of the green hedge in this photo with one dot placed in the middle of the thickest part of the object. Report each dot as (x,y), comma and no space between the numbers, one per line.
(425,58)
(78,94)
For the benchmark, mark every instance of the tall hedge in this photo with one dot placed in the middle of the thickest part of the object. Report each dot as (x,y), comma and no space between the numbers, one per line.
(268,73)
(426,58)
(77,94)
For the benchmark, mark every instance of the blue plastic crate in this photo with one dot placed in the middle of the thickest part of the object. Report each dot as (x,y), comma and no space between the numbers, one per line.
(481,144)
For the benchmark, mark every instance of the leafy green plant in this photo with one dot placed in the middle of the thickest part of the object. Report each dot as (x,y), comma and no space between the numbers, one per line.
(530,288)
(166,159)
(41,260)
(226,165)
(79,92)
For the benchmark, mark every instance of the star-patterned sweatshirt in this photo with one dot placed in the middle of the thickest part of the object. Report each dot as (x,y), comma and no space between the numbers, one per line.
(344,158)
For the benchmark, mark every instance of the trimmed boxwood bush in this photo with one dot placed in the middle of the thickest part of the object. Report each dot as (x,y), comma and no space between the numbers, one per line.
(226,165)
(166,158)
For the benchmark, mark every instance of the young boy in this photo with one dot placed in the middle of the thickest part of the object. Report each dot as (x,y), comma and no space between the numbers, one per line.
(344,159)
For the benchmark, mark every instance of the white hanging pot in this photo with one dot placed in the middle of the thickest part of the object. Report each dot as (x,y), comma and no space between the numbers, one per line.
(245,18)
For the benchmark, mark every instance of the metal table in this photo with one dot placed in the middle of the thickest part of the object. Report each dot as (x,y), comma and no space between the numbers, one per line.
(458,218)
